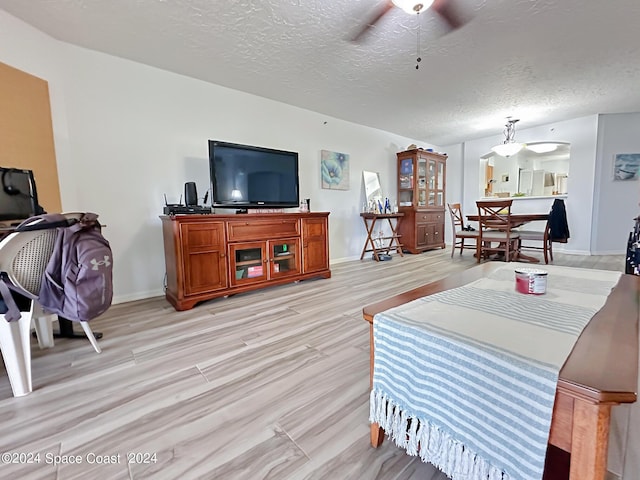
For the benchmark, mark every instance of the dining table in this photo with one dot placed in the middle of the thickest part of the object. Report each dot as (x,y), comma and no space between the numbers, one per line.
(518,220)
(600,373)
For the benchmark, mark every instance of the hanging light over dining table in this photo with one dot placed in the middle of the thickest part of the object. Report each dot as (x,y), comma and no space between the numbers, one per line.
(509,146)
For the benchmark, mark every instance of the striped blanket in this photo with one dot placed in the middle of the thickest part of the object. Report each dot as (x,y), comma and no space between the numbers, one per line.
(466,378)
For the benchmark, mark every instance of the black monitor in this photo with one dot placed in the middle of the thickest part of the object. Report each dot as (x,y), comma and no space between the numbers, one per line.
(18,197)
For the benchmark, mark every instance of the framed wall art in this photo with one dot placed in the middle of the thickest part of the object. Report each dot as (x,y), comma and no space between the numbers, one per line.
(334,170)
(626,166)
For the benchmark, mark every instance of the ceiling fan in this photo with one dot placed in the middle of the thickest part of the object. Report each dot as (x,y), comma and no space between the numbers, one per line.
(447,10)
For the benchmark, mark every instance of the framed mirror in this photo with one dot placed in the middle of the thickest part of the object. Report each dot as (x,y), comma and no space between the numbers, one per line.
(372,187)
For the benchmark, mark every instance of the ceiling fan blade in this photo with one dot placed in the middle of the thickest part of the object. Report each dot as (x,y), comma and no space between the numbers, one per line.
(450,13)
(374,18)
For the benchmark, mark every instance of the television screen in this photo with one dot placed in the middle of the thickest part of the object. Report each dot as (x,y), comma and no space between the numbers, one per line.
(245,176)
(18,197)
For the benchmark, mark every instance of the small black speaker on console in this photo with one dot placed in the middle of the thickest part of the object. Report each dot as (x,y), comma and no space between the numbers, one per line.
(190,194)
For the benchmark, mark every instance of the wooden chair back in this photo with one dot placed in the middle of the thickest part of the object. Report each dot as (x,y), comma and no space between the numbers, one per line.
(457,220)
(460,235)
(495,227)
(495,214)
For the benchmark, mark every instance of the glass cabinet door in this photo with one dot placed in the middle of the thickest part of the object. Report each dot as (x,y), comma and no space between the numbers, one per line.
(405,183)
(284,257)
(432,199)
(432,174)
(439,198)
(440,184)
(248,263)
(422,182)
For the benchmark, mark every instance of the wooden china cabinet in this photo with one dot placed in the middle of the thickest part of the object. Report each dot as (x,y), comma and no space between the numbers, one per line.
(421,197)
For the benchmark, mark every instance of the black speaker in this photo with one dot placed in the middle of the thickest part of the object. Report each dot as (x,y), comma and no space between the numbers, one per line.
(9,189)
(190,194)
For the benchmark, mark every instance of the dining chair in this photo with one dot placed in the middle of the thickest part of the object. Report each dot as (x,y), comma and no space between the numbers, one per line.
(544,237)
(495,228)
(460,234)
(24,256)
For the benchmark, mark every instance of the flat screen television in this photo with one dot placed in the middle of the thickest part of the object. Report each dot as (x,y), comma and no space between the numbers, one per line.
(244,176)
(18,196)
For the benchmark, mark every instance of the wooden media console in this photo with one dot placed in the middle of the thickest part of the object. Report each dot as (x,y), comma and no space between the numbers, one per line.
(209,256)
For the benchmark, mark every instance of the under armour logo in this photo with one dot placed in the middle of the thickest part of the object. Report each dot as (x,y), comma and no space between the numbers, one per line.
(96,264)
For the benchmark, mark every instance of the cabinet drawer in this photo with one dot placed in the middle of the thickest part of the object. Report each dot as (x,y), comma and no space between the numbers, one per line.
(429,217)
(260,229)
(202,237)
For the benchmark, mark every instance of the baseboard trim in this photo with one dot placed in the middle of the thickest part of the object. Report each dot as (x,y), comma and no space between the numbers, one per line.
(137,296)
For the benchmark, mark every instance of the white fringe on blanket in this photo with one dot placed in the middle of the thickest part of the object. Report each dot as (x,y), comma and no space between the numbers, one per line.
(421,438)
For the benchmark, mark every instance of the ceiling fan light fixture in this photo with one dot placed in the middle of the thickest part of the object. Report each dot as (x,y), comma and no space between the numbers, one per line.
(509,146)
(411,6)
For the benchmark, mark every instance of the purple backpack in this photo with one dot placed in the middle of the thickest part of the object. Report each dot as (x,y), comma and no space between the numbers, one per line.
(77,283)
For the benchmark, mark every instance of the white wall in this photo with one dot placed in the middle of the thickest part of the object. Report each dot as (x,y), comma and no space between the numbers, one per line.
(127,133)
(454,185)
(616,202)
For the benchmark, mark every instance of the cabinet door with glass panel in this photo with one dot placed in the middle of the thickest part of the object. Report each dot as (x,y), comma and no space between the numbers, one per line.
(284,257)
(253,262)
(421,179)
(412,176)
(435,181)
(248,262)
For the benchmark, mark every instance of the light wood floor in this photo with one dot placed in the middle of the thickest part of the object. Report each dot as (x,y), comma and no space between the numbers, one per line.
(271,384)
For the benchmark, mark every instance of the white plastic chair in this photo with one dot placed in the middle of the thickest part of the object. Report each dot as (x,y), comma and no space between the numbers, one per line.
(23,260)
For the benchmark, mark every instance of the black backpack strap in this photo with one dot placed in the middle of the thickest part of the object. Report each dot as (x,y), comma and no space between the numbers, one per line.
(45,222)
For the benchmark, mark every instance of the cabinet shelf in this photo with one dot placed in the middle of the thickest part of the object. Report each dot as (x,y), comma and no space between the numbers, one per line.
(249,263)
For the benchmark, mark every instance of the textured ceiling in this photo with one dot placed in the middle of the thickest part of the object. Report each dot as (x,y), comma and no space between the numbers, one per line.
(538,60)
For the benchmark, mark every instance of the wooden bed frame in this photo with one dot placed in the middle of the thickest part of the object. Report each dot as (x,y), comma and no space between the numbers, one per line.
(601,372)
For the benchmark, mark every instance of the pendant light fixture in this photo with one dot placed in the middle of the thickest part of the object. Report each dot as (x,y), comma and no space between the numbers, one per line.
(411,6)
(542,147)
(509,146)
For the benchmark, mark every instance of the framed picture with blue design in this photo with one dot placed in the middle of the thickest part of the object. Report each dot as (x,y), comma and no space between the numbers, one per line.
(334,170)
(406,166)
(626,166)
